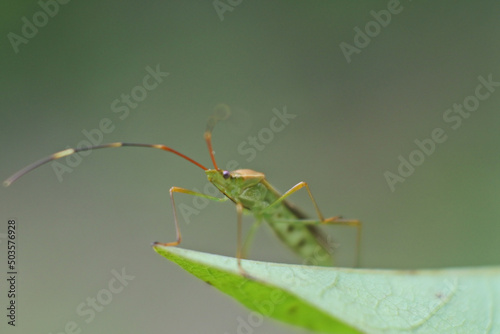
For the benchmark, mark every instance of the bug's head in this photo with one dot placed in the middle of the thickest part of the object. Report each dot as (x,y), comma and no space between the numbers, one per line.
(233,182)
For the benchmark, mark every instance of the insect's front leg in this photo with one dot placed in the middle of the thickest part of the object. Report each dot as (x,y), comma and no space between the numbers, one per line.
(176,222)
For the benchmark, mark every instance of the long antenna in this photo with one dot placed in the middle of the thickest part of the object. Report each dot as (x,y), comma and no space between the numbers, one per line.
(69,151)
(221,113)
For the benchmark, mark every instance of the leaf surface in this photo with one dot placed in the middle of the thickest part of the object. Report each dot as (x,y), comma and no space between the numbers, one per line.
(341,300)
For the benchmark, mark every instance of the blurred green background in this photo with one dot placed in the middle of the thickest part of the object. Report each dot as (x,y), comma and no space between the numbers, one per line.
(353,120)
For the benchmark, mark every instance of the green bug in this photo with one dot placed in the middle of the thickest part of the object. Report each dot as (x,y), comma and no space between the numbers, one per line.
(251,193)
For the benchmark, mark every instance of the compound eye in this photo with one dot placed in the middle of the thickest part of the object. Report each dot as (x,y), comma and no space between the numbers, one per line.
(225,174)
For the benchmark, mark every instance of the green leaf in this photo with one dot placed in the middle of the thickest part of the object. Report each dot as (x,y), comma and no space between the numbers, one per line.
(340,300)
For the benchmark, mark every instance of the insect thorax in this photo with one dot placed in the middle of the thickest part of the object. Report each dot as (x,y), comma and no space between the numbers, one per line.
(255,198)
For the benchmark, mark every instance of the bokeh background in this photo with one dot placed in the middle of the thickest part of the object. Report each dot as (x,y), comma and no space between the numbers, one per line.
(353,120)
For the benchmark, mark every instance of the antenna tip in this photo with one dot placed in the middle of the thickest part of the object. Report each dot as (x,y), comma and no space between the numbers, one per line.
(7,183)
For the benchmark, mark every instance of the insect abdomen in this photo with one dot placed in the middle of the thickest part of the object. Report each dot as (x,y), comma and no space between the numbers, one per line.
(305,240)
(301,238)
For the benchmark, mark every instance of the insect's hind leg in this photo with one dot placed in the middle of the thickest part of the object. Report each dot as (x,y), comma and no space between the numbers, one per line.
(176,222)
(348,222)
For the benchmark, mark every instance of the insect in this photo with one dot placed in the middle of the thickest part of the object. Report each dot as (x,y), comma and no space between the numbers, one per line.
(251,193)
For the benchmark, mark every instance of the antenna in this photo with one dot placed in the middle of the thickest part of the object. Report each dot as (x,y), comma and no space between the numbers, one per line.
(69,151)
(221,113)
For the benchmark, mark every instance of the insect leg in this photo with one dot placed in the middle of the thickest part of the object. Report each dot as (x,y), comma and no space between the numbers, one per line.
(348,222)
(242,248)
(290,191)
(249,238)
(239,211)
(177,229)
